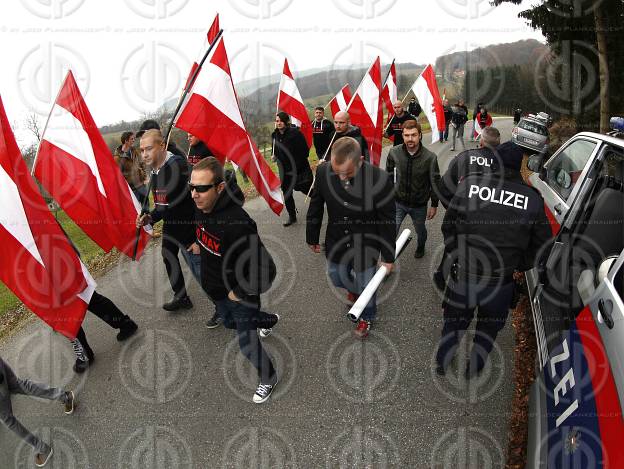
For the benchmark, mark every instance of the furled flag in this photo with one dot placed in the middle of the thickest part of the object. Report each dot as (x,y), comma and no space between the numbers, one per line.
(76,167)
(366,111)
(390,92)
(425,89)
(211,113)
(289,100)
(211,35)
(341,101)
(37,262)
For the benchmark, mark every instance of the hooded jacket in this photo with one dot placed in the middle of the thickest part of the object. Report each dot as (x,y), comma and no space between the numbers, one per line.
(198,152)
(355,133)
(233,257)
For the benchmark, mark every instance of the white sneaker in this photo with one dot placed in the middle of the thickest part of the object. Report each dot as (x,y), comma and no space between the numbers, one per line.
(263,392)
(265,332)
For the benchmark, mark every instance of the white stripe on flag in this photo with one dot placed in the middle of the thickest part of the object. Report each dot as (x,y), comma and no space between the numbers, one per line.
(369,94)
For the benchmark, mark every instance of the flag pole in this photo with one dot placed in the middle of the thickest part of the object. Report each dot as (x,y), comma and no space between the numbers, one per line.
(185,91)
(334,137)
(382,87)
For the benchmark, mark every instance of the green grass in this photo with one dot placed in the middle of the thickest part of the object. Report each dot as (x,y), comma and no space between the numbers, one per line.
(88,250)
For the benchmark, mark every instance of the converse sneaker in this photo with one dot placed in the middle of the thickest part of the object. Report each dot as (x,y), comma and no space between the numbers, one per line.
(70,402)
(214,322)
(264,392)
(265,332)
(41,459)
(362,328)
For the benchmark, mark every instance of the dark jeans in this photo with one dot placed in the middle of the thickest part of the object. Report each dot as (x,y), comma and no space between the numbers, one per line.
(289,185)
(461,300)
(169,251)
(444,133)
(419,216)
(246,320)
(11,384)
(108,312)
(343,276)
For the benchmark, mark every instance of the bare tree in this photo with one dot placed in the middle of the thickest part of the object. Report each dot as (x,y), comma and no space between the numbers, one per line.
(33,124)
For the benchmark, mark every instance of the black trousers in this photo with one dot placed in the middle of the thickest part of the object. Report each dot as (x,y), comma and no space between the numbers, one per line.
(108,312)
(461,300)
(289,185)
(169,251)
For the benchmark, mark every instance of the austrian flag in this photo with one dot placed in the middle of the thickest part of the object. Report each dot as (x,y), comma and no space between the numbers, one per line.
(289,100)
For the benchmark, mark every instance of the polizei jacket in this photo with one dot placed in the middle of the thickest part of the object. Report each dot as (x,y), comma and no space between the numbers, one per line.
(361,223)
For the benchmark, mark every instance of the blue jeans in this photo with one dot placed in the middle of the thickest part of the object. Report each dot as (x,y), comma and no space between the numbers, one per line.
(194,263)
(343,276)
(419,215)
(246,320)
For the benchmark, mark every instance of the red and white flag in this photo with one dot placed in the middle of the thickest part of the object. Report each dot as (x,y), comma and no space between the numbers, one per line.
(341,101)
(76,167)
(289,100)
(211,113)
(37,262)
(211,35)
(425,89)
(390,92)
(366,111)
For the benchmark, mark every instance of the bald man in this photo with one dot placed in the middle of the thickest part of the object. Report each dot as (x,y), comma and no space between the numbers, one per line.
(394,128)
(342,123)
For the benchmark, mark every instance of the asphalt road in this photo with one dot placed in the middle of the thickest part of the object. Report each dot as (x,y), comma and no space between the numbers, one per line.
(179,396)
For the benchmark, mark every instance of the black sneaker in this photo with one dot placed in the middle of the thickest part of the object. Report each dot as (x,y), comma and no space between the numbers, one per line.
(70,402)
(264,332)
(214,322)
(264,392)
(178,303)
(291,221)
(420,252)
(127,330)
(81,365)
(440,370)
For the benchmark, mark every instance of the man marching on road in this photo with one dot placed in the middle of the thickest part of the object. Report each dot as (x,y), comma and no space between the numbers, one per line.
(361,222)
(173,205)
(11,384)
(322,130)
(395,126)
(494,227)
(235,266)
(416,174)
(342,121)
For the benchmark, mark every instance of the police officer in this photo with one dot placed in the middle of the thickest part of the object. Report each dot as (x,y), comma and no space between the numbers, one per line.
(482,161)
(495,225)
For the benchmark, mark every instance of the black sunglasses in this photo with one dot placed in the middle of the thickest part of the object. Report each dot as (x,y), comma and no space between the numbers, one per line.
(201,187)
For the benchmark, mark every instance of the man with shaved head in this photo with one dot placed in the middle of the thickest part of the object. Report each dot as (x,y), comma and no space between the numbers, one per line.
(394,129)
(342,123)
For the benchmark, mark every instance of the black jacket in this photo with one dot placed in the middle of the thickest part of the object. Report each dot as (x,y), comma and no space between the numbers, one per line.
(460,115)
(495,225)
(355,133)
(394,127)
(361,223)
(481,161)
(291,151)
(321,134)
(414,109)
(232,254)
(198,152)
(173,148)
(417,177)
(172,199)
(448,114)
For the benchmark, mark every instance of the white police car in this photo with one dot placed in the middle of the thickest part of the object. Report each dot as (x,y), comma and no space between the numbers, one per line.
(576,402)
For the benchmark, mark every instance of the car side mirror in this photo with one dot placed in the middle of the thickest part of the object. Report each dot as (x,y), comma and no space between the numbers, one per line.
(605,267)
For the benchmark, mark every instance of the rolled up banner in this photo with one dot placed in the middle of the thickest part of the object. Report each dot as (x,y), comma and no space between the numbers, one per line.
(358,307)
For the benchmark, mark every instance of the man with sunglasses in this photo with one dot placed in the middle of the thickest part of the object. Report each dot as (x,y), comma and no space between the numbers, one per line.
(235,266)
(173,205)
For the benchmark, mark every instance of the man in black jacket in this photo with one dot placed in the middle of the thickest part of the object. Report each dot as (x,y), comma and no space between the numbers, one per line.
(322,130)
(342,122)
(152,124)
(394,128)
(291,152)
(458,121)
(173,205)
(361,222)
(414,108)
(197,150)
(235,266)
(495,227)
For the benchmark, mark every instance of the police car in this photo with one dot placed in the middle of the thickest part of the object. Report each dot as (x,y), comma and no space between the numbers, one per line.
(576,295)
(532,132)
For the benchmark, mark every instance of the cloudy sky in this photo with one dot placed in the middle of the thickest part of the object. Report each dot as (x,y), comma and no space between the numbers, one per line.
(131,55)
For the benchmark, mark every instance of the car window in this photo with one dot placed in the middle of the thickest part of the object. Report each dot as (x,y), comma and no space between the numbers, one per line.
(533,127)
(564,170)
(614,164)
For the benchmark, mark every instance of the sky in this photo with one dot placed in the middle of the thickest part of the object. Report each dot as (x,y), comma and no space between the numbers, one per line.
(130,56)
